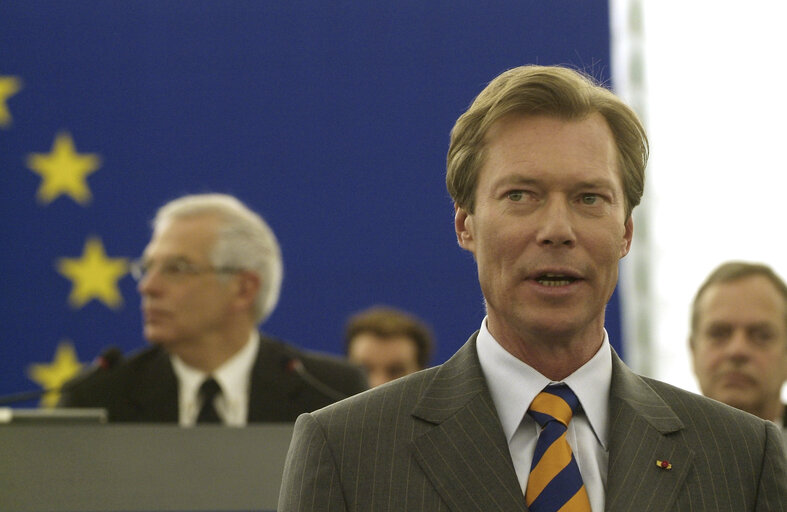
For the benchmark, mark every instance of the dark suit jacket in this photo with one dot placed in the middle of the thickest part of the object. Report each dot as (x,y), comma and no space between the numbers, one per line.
(784,428)
(144,388)
(432,441)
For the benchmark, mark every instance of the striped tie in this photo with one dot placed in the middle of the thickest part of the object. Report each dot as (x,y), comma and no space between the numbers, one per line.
(555,483)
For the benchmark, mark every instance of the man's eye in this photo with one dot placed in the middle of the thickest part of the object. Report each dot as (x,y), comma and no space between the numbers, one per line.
(761,336)
(170,268)
(719,334)
(175,267)
(516,195)
(590,199)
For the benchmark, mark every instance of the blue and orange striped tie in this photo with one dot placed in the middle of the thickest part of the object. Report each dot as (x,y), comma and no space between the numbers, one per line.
(554,483)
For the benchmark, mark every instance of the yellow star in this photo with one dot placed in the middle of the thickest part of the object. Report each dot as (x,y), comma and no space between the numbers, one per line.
(94,276)
(53,375)
(63,171)
(9,85)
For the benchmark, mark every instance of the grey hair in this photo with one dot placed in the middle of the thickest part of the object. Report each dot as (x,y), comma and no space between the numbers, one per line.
(244,241)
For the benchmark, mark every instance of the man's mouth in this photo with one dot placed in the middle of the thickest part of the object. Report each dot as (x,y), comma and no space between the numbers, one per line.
(550,279)
(737,379)
(150,314)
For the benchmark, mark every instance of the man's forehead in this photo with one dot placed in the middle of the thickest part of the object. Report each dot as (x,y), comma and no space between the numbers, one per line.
(724,321)
(725,303)
(185,238)
(543,121)
(204,221)
(752,291)
(389,338)
(521,138)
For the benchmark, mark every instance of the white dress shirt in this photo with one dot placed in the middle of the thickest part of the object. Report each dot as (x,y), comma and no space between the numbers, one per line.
(234,377)
(513,386)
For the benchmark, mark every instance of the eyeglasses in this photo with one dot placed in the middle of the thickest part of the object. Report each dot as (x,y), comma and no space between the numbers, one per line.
(175,269)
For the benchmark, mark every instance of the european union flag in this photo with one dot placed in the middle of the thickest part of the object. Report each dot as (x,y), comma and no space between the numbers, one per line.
(329,118)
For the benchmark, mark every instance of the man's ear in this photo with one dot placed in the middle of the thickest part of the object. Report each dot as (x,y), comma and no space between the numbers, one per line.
(463,224)
(248,285)
(628,235)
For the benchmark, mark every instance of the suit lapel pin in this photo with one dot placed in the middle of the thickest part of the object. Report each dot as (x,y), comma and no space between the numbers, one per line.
(663,464)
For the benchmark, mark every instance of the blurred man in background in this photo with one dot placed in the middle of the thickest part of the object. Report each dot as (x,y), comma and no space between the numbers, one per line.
(211,273)
(388,343)
(738,339)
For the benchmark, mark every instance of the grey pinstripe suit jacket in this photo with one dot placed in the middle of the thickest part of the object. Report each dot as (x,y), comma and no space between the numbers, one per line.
(432,441)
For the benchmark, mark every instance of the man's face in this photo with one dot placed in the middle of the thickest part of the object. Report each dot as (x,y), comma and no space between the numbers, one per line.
(183,307)
(740,344)
(384,359)
(548,228)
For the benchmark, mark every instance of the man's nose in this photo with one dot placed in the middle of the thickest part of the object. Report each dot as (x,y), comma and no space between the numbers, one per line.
(150,281)
(738,346)
(556,224)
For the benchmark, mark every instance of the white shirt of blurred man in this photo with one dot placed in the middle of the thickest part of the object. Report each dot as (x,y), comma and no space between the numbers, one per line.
(739,339)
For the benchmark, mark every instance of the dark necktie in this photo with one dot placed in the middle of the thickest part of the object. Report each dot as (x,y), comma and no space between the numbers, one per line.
(554,482)
(208,392)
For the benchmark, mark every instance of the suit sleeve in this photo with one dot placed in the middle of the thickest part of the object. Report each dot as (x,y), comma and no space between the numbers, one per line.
(311,479)
(772,492)
(92,392)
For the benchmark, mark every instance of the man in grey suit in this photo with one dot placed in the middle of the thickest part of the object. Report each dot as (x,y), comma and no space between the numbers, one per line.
(738,339)
(544,169)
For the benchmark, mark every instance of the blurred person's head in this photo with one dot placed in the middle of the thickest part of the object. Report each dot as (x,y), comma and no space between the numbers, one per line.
(387,343)
(211,272)
(738,337)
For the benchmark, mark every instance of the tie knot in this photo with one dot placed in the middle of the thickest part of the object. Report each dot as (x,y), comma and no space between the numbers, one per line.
(555,402)
(209,389)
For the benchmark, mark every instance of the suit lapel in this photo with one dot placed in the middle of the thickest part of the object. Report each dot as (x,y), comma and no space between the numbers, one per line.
(274,392)
(640,427)
(267,376)
(154,393)
(465,455)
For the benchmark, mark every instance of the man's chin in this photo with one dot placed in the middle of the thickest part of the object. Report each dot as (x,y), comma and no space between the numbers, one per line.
(739,398)
(156,337)
(558,326)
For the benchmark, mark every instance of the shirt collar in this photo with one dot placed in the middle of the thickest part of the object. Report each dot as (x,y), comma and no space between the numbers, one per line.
(513,384)
(232,375)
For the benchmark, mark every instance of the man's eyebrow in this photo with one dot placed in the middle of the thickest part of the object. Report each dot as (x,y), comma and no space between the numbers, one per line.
(760,325)
(599,183)
(515,179)
(176,257)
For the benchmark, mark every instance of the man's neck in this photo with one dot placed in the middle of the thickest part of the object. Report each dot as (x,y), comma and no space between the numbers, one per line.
(210,352)
(555,355)
(776,413)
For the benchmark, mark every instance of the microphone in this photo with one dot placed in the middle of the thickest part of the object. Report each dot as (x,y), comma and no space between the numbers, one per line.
(295,365)
(105,361)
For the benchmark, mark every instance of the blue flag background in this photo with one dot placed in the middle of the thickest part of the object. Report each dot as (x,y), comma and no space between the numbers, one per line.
(331,119)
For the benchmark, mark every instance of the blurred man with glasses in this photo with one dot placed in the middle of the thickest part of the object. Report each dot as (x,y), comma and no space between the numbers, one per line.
(210,274)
